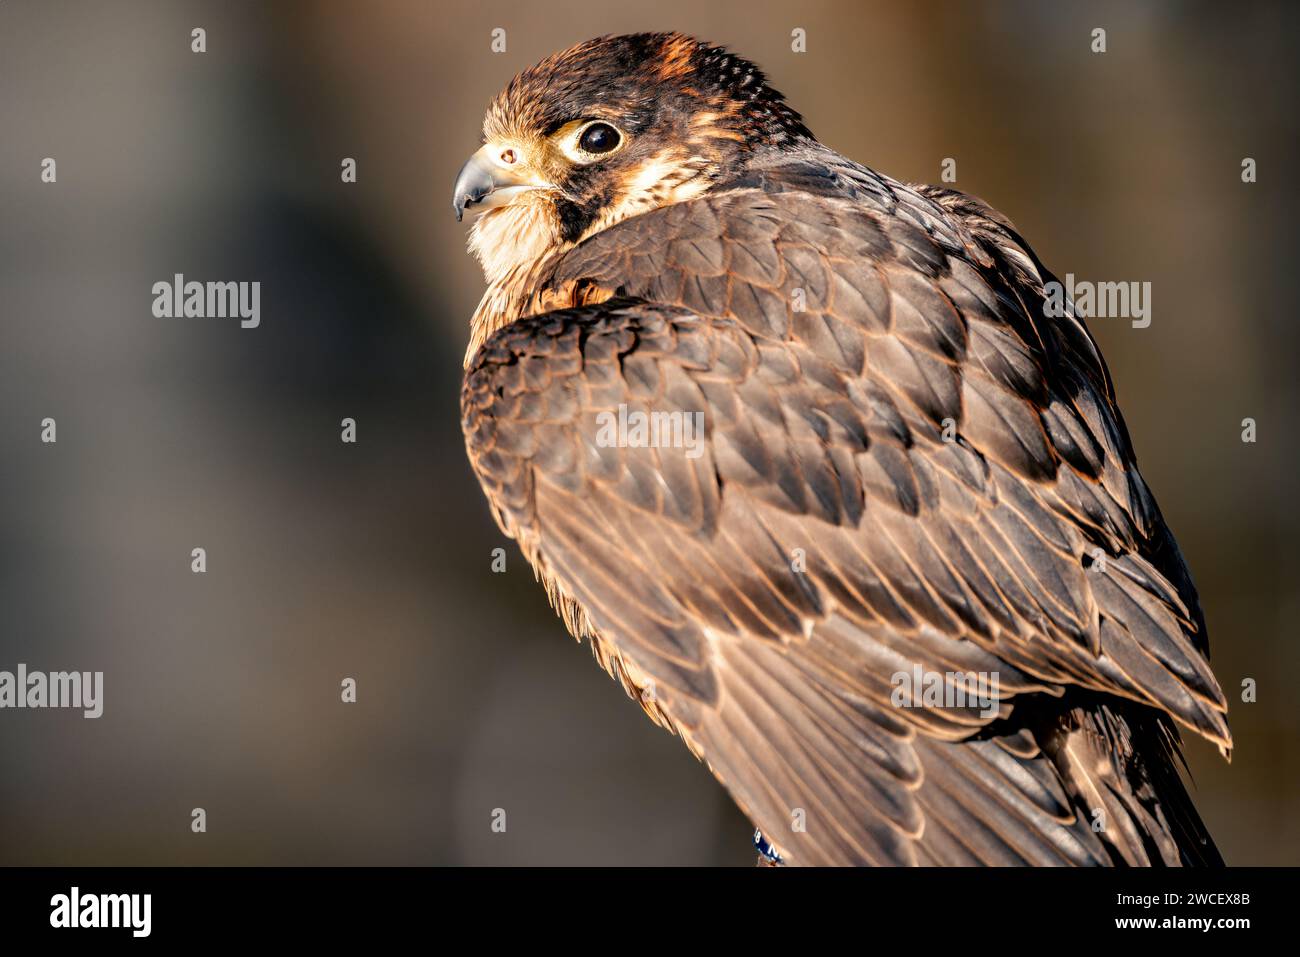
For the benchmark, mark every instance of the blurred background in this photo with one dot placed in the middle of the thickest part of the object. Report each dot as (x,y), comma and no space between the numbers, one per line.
(373,561)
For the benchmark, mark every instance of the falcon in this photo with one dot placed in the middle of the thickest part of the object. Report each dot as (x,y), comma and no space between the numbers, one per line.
(801,453)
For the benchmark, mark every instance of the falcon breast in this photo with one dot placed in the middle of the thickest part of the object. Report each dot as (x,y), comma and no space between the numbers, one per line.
(798,450)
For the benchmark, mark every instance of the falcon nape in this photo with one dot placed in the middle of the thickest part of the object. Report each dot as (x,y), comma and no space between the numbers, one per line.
(907,468)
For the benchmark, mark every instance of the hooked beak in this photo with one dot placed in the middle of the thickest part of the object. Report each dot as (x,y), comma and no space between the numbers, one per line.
(488,180)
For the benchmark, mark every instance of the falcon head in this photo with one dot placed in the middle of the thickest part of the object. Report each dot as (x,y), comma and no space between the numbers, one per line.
(608,129)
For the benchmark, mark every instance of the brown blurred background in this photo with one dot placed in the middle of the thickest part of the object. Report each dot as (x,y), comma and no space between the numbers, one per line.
(372,560)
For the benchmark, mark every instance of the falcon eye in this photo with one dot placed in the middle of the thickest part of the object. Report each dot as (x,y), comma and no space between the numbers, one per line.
(599,138)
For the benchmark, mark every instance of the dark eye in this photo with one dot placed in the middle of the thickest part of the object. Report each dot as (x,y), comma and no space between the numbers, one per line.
(598,138)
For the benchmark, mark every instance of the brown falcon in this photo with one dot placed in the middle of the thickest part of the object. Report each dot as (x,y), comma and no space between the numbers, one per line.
(904,590)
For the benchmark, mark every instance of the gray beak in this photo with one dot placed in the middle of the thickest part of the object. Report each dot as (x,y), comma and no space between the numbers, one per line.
(487,180)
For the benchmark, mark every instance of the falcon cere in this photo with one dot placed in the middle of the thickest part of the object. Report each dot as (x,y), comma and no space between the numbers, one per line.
(211,300)
(653,430)
(57,689)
